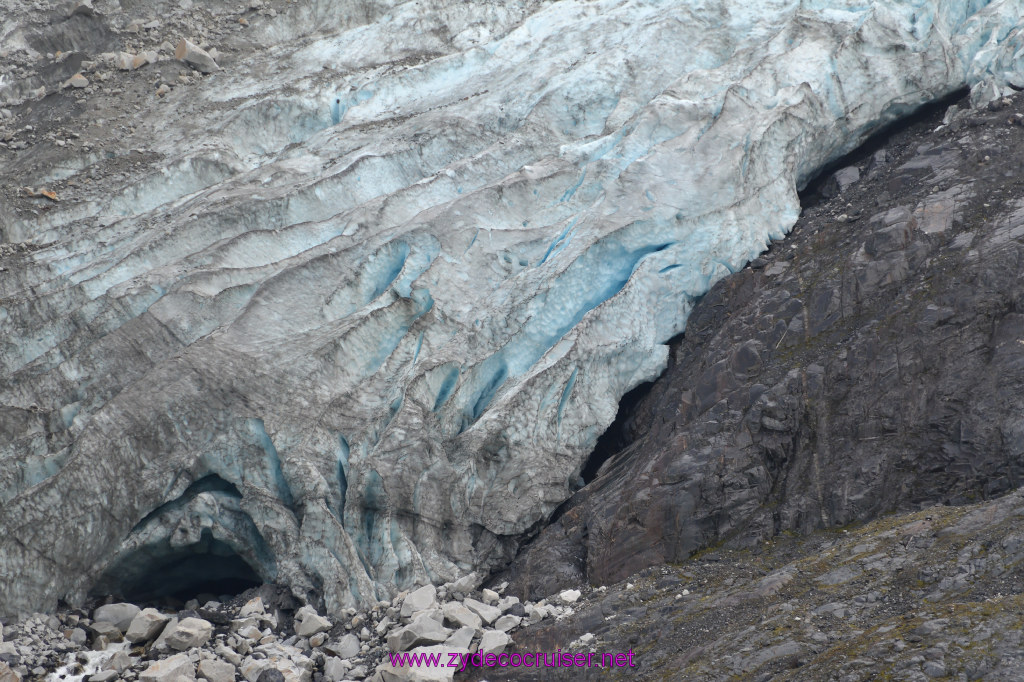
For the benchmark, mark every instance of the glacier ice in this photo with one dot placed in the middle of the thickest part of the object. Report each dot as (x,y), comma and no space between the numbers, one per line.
(390,315)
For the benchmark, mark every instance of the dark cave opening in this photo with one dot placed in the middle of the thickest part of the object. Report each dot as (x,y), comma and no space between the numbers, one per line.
(618,435)
(208,567)
(189,576)
(814,191)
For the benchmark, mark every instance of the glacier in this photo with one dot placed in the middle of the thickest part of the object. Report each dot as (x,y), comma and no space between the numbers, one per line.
(364,317)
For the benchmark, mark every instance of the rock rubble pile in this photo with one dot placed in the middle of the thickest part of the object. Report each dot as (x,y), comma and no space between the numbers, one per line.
(263,635)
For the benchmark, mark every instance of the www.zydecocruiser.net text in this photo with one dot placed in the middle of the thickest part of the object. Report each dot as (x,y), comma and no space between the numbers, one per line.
(528,659)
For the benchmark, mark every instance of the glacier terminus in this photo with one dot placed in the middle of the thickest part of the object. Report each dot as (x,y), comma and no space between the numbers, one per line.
(376,288)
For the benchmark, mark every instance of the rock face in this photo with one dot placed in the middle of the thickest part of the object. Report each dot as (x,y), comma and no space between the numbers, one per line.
(355,323)
(873,362)
(898,598)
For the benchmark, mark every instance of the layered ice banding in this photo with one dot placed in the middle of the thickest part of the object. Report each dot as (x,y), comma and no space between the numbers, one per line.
(366,315)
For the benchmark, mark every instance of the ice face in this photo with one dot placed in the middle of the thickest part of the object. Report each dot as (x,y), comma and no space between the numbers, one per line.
(394,314)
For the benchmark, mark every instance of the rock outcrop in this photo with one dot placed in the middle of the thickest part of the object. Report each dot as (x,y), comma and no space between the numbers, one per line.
(933,594)
(872,362)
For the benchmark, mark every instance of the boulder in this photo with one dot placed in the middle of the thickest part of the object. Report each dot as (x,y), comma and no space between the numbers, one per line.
(108,630)
(422,630)
(77,81)
(569,596)
(124,61)
(120,615)
(312,624)
(252,607)
(215,670)
(506,623)
(488,614)
(190,632)
(104,676)
(195,56)
(466,583)
(274,669)
(494,642)
(462,638)
(229,655)
(346,647)
(146,625)
(335,669)
(119,662)
(171,669)
(419,600)
(459,615)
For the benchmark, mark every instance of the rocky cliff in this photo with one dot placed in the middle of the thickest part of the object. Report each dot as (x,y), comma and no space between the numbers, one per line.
(871,363)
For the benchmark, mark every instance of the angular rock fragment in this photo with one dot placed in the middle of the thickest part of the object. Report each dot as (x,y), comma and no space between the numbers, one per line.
(312,624)
(419,600)
(462,638)
(143,58)
(120,615)
(335,669)
(569,596)
(506,623)
(104,676)
(125,61)
(252,607)
(189,633)
(488,614)
(422,630)
(460,616)
(195,56)
(272,675)
(441,673)
(346,647)
(119,662)
(229,655)
(171,669)
(77,81)
(216,671)
(494,642)
(467,583)
(840,181)
(109,631)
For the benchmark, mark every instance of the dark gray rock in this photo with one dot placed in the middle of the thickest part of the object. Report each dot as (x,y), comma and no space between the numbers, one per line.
(270,675)
(869,367)
(840,181)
